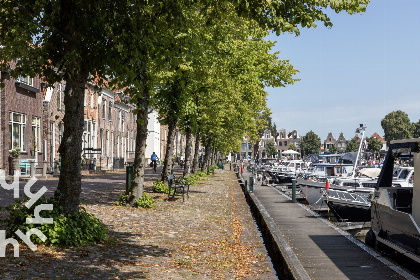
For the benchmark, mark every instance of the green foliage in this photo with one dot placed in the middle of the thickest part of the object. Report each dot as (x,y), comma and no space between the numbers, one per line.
(160,187)
(397,125)
(333,149)
(374,145)
(72,230)
(122,200)
(310,143)
(182,180)
(15,152)
(416,129)
(353,145)
(201,174)
(144,202)
(292,147)
(270,149)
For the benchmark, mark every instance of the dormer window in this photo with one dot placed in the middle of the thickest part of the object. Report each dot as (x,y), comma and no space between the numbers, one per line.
(27,80)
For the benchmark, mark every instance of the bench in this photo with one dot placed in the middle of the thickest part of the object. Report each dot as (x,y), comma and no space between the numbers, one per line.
(25,165)
(177,187)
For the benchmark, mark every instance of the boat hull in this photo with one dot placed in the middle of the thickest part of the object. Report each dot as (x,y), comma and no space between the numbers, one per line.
(350,211)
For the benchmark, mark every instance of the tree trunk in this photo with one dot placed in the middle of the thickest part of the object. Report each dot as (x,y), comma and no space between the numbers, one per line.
(188,151)
(206,155)
(137,182)
(211,157)
(196,151)
(256,148)
(69,187)
(167,163)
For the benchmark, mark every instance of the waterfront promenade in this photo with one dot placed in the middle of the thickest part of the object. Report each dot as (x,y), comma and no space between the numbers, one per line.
(209,236)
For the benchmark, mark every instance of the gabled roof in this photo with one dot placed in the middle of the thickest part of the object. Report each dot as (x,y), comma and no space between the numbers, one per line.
(376,135)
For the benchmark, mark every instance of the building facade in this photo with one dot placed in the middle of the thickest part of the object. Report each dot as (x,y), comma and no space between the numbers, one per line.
(20,118)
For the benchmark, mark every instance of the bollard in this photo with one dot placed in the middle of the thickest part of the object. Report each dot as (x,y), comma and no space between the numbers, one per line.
(294,190)
(251,184)
(44,170)
(246,185)
(129,176)
(32,169)
(230,166)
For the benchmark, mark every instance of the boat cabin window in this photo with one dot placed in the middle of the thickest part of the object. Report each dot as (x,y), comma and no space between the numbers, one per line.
(403,174)
(337,170)
(402,200)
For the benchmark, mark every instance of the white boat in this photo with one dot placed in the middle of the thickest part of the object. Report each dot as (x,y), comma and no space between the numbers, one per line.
(395,209)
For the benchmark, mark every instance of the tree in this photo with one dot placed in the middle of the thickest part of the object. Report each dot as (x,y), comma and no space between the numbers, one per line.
(270,149)
(397,125)
(416,129)
(61,40)
(333,149)
(353,145)
(292,147)
(374,145)
(310,143)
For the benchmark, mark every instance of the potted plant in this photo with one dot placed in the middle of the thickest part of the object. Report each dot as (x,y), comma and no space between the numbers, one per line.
(14,160)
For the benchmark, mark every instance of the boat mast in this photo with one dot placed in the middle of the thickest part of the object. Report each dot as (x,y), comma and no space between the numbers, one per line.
(360,129)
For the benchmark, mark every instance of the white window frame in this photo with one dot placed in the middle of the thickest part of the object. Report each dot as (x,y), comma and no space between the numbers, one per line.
(26,80)
(103,109)
(59,96)
(36,133)
(17,120)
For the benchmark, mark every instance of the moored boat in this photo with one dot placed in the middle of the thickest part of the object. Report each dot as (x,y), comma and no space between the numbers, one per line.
(395,209)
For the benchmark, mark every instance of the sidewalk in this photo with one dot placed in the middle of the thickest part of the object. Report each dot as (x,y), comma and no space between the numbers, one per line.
(210,236)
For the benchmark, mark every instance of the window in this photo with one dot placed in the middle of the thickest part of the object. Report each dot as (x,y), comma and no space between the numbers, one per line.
(27,80)
(87,135)
(119,121)
(101,136)
(36,133)
(60,132)
(280,143)
(110,111)
(118,148)
(112,144)
(243,146)
(93,145)
(285,143)
(249,146)
(122,121)
(91,99)
(59,96)
(103,109)
(85,97)
(17,131)
(107,142)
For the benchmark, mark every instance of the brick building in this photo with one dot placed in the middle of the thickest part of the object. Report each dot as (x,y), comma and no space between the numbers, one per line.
(20,117)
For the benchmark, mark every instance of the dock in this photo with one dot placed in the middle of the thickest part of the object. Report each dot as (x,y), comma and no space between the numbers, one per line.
(312,247)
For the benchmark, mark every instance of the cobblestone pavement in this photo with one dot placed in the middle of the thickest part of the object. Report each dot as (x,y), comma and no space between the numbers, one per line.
(209,236)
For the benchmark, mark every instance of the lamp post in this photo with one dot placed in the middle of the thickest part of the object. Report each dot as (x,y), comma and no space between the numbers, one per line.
(360,129)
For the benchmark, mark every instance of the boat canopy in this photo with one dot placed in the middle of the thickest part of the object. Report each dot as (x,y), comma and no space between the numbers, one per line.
(396,148)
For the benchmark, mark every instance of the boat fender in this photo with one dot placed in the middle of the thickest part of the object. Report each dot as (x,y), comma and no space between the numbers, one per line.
(370,239)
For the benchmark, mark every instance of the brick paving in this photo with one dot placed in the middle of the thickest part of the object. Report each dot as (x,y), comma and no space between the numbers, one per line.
(209,236)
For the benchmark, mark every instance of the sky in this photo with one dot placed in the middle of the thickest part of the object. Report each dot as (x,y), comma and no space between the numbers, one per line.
(364,67)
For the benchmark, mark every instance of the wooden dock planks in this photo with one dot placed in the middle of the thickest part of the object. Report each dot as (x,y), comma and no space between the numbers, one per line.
(323,252)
